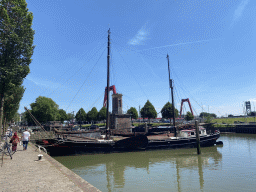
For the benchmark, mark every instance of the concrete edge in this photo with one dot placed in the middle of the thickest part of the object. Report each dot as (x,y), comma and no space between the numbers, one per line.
(76,179)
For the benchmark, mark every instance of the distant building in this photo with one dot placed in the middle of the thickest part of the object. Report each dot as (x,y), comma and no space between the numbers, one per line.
(118,120)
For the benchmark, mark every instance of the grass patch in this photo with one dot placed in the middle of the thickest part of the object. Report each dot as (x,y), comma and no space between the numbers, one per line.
(233,120)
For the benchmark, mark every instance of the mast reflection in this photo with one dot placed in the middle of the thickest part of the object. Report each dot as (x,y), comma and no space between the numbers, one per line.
(116,164)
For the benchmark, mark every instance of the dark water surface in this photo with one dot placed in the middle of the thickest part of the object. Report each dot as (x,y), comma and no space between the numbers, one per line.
(231,167)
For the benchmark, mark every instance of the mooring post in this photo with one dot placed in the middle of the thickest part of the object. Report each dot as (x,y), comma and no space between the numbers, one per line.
(197,138)
(146,128)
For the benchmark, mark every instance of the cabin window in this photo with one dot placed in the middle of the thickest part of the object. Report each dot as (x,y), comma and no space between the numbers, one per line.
(192,133)
(199,132)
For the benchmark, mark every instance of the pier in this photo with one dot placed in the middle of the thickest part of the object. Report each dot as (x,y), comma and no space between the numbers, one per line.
(24,172)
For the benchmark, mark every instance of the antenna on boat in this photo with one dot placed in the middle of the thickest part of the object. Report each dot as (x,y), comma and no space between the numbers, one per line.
(108,60)
(173,109)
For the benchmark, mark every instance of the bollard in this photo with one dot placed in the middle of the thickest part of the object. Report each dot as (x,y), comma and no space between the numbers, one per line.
(197,139)
(40,156)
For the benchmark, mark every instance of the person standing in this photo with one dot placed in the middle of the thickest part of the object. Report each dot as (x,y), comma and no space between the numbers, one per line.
(15,140)
(25,139)
(10,133)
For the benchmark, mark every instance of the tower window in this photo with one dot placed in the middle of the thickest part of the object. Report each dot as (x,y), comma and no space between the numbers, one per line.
(119,102)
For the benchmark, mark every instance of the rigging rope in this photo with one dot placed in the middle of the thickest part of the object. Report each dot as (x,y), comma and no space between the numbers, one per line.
(101,47)
(86,78)
(132,73)
(97,100)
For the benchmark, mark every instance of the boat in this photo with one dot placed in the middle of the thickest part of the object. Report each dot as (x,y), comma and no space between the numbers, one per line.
(183,137)
(68,142)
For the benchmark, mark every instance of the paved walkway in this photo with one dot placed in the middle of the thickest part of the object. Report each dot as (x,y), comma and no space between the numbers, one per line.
(26,173)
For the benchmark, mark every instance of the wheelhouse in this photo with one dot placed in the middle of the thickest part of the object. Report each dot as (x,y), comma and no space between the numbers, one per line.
(192,132)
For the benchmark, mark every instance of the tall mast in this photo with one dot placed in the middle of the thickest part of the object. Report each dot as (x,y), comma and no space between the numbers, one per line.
(108,59)
(170,84)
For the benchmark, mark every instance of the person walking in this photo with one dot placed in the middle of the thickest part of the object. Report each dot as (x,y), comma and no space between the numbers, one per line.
(10,133)
(15,140)
(25,139)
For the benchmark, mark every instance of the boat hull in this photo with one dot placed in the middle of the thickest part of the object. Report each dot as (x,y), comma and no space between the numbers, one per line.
(129,144)
(190,142)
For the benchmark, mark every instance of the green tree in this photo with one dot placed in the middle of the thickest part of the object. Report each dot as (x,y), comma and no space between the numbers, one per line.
(92,115)
(205,114)
(81,115)
(167,111)
(70,116)
(44,109)
(16,46)
(189,116)
(102,115)
(62,115)
(133,112)
(23,118)
(208,119)
(148,111)
(16,118)
(12,103)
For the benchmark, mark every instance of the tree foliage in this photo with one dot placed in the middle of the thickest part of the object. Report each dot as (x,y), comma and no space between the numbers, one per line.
(70,116)
(16,118)
(44,109)
(205,114)
(102,115)
(62,115)
(148,111)
(189,116)
(133,112)
(12,102)
(81,115)
(208,119)
(16,46)
(92,115)
(167,111)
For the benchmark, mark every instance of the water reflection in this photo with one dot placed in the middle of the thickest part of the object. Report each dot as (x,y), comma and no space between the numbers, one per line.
(232,167)
(117,164)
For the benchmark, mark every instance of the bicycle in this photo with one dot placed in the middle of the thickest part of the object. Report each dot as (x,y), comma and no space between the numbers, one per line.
(6,150)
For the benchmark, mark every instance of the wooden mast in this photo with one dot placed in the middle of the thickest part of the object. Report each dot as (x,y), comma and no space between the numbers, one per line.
(108,60)
(173,109)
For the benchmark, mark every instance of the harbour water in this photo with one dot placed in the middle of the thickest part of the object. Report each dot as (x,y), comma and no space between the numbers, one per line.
(231,167)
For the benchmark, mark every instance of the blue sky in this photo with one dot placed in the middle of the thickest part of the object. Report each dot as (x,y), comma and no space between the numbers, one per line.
(211,45)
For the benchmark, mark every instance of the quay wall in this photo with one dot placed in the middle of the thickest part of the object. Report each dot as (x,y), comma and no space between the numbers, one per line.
(249,129)
(73,177)
(25,172)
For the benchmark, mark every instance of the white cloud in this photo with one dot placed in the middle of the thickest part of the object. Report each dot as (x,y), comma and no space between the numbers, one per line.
(177,44)
(140,37)
(239,10)
(43,83)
